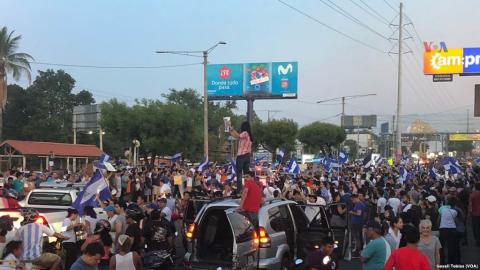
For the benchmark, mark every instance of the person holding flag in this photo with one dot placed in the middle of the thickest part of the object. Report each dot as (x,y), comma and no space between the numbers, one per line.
(245,140)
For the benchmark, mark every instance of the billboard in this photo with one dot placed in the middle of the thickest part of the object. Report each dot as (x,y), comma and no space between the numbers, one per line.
(87,117)
(464,137)
(451,61)
(252,80)
(476,106)
(359,121)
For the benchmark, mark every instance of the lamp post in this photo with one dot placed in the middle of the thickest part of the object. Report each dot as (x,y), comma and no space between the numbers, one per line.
(204,55)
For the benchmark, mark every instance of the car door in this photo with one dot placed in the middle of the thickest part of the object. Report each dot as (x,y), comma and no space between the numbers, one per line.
(340,224)
(245,250)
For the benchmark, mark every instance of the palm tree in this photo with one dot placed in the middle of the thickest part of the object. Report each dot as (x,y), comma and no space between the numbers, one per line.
(11,62)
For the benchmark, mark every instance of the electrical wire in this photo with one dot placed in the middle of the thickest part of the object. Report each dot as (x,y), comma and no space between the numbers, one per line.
(390,5)
(374,11)
(352,18)
(370,13)
(331,28)
(113,67)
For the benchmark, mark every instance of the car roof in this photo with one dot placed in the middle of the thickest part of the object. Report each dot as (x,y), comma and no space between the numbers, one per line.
(57,190)
(236,203)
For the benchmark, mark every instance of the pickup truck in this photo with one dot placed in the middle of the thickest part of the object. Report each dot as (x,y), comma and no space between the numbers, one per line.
(52,205)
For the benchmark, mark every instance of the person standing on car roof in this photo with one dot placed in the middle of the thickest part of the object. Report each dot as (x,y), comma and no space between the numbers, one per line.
(251,197)
(324,258)
(245,140)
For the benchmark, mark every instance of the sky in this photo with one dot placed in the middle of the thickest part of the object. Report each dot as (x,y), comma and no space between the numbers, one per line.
(331,65)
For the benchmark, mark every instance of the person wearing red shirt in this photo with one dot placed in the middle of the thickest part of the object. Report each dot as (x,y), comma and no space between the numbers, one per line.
(251,198)
(409,257)
(474,209)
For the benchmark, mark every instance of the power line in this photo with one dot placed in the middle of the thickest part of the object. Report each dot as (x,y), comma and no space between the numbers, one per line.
(388,4)
(374,11)
(113,67)
(370,13)
(332,28)
(349,16)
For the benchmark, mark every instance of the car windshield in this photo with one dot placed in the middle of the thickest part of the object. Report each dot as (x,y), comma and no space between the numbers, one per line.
(50,199)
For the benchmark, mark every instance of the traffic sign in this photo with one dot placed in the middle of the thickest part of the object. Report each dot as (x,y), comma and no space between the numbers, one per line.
(442,77)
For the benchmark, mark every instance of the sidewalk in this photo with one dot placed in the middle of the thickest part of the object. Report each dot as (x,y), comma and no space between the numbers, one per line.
(470,252)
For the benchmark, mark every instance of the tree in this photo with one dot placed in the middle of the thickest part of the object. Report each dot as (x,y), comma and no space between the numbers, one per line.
(276,134)
(460,146)
(352,145)
(321,136)
(12,62)
(45,108)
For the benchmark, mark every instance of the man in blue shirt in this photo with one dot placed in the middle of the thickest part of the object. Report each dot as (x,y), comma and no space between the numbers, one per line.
(374,255)
(358,220)
(90,258)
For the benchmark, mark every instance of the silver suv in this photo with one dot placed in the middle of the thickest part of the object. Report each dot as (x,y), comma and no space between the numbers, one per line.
(223,238)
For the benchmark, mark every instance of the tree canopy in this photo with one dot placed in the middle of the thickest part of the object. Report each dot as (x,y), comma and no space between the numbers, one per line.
(319,136)
(276,134)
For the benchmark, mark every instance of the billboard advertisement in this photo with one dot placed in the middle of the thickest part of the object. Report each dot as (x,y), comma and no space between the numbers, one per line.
(464,137)
(359,121)
(451,61)
(252,80)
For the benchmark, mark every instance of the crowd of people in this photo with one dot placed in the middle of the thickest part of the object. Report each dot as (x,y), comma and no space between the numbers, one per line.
(414,223)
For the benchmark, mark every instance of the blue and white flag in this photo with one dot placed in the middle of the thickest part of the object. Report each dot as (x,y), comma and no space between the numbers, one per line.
(293,167)
(203,165)
(451,165)
(87,197)
(342,157)
(417,167)
(405,160)
(367,161)
(404,177)
(330,163)
(103,163)
(477,161)
(432,171)
(280,155)
(380,161)
(258,159)
(232,171)
(176,157)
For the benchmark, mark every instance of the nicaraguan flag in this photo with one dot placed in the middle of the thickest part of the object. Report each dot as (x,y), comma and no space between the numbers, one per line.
(417,167)
(342,157)
(176,157)
(203,165)
(280,155)
(367,161)
(405,160)
(451,165)
(293,167)
(232,171)
(477,161)
(380,161)
(403,174)
(103,163)
(258,159)
(86,197)
(432,171)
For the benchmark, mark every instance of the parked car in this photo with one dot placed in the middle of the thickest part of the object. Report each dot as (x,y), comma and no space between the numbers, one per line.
(222,236)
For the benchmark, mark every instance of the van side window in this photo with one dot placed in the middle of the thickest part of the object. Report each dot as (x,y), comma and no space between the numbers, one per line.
(301,221)
(279,217)
(242,227)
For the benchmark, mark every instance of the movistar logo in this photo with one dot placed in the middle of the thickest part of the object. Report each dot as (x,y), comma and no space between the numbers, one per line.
(285,70)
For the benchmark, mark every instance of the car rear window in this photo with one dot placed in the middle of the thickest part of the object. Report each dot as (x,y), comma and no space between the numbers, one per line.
(50,198)
(242,227)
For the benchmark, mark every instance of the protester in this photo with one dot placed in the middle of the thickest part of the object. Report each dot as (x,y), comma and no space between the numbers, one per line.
(13,254)
(69,226)
(251,197)
(429,244)
(448,233)
(90,219)
(245,140)
(474,210)
(358,221)
(409,257)
(92,255)
(125,259)
(102,236)
(324,258)
(374,255)
(394,235)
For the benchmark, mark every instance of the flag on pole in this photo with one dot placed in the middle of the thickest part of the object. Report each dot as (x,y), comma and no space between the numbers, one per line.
(432,171)
(404,177)
(367,161)
(293,167)
(103,163)
(451,165)
(342,157)
(380,161)
(176,157)
(87,197)
(280,155)
(203,165)
(232,171)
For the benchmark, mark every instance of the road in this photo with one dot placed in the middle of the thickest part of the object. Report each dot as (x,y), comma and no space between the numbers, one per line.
(470,254)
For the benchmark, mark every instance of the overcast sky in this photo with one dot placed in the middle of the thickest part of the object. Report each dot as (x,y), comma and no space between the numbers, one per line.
(126,33)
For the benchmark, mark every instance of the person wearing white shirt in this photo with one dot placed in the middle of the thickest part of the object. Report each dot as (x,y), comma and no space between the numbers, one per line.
(381,203)
(165,211)
(448,232)
(394,202)
(68,230)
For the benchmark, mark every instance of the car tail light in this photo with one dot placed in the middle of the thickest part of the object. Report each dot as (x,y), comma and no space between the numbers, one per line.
(190,231)
(263,238)
(41,220)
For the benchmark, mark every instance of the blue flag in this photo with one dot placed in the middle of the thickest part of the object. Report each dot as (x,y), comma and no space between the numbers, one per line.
(293,167)
(404,176)
(451,165)
(280,155)
(176,157)
(203,165)
(86,197)
(342,157)
(432,171)
(232,171)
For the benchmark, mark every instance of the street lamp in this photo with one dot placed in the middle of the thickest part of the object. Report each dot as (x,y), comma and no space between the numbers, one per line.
(203,54)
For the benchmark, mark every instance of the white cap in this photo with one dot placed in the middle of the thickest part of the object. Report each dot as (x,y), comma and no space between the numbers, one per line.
(431,199)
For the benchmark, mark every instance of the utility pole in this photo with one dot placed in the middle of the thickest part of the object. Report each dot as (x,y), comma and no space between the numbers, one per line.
(468,121)
(343,103)
(343,112)
(398,133)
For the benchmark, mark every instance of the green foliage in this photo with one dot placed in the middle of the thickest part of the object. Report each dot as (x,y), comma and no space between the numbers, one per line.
(321,136)
(165,128)
(460,146)
(276,134)
(352,148)
(44,110)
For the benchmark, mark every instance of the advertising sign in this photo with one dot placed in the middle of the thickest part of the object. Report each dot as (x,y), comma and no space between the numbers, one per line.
(445,60)
(359,121)
(464,137)
(252,80)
